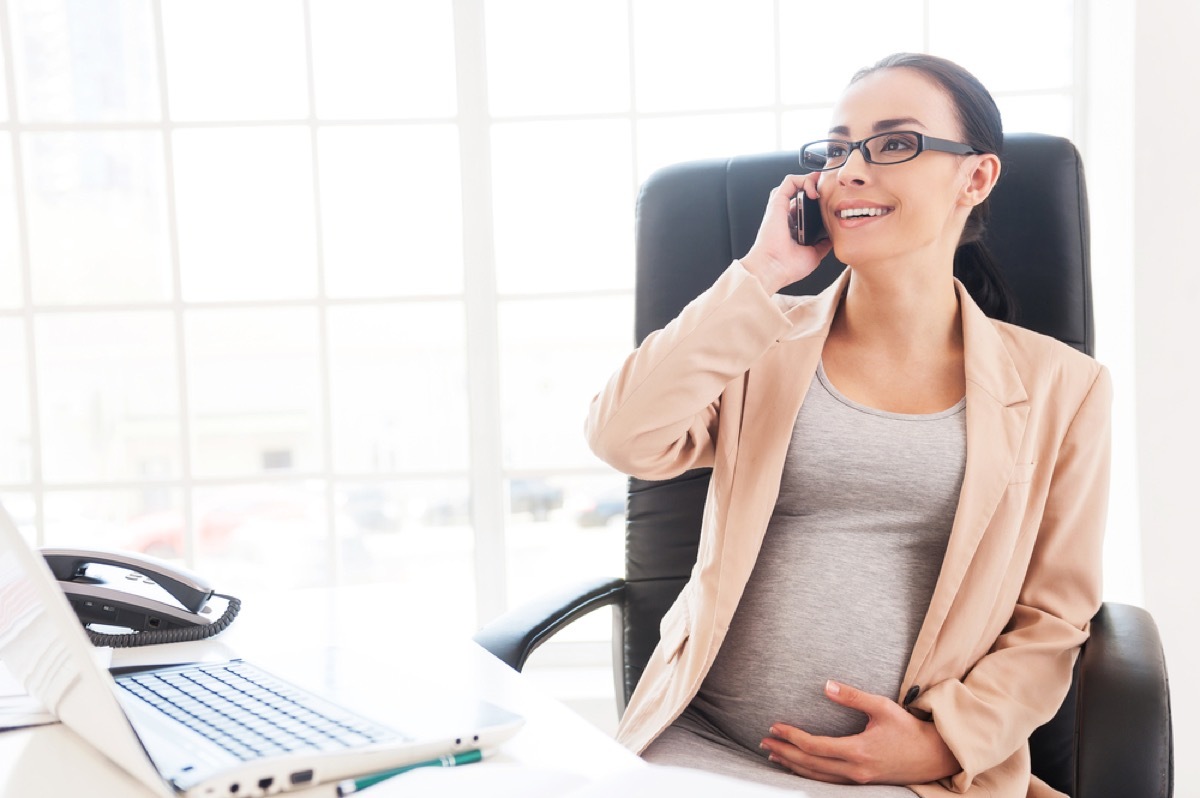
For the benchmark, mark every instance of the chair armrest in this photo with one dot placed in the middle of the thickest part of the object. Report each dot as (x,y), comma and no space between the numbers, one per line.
(517,633)
(1125,744)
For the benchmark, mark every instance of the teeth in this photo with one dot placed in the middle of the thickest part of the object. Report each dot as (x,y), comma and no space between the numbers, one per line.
(850,213)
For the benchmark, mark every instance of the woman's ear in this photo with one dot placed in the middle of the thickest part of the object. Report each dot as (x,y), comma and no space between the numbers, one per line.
(981,178)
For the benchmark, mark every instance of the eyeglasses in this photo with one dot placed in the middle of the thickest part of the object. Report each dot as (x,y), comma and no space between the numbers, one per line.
(895,147)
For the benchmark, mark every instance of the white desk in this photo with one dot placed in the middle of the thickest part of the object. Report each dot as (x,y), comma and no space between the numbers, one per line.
(351,632)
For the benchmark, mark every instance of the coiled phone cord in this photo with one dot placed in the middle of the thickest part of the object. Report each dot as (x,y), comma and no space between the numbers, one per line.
(186,634)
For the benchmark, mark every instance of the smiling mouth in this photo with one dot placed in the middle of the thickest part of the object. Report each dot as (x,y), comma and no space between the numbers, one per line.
(855,213)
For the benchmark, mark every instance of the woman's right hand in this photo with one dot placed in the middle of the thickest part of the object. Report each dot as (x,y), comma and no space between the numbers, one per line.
(775,258)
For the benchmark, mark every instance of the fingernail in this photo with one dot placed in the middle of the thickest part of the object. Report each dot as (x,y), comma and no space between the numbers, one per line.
(832,687)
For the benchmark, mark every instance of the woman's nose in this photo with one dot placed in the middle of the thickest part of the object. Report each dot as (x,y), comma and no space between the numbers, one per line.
(855,170)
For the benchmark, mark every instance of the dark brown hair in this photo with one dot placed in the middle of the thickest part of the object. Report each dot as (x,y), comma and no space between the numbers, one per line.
(979,119)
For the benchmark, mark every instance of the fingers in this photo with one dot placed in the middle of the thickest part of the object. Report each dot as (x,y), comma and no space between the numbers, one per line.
(893,748)
(833,759)
(793,185)
(854,698)
(808,184)
(810,771)
(811,744)
(775,258)
(810,756)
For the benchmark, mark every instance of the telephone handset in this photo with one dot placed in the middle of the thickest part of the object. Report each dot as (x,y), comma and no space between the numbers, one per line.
(805,220)
(157,601)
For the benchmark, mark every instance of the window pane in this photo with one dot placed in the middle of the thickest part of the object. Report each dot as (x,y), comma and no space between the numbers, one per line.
(698,54)
(108,394)
(955,35)
(235,59)
(10,247)
(1038,113)
(244,199)
(3,85)
(274,533)
(84,61)
(671,140)
(146,519)
(398,379)
(554,356)
(21,508)
(382,59)
(809,124)
(581,536)
(818,65)
(108,190)
(15,426)
(254,391)
(391,210)
(583,67)
(564,221)
(389,532)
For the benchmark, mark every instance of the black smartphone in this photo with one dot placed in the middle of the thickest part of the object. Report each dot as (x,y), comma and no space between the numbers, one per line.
(807,225)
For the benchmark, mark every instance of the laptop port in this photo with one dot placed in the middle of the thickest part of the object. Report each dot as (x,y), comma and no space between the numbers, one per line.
(301,777)
(265,784)
(233,788)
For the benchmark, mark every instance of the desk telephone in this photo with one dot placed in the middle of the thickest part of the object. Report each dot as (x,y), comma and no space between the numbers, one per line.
(157,601)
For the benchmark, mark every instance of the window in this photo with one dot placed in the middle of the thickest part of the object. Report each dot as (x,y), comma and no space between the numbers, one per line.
(313,311)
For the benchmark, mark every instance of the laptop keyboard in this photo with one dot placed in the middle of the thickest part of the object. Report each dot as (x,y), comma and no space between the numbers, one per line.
(249,712)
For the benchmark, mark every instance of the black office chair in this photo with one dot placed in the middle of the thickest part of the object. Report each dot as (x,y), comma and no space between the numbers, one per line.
(1112,737)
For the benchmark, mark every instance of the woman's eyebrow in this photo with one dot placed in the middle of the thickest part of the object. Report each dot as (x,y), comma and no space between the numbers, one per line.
(881,125)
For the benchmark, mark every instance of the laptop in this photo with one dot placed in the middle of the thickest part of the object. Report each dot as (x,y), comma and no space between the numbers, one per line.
(258,735)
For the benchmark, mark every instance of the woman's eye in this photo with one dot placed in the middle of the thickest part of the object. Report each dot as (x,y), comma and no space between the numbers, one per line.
(898,144)
(836,150)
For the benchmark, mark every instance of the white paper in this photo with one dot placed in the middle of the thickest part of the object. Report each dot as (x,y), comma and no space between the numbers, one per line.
(493,779)
(505,780)
(658,781)
(18,709)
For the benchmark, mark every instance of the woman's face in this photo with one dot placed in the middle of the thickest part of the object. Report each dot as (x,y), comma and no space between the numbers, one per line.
(918,206)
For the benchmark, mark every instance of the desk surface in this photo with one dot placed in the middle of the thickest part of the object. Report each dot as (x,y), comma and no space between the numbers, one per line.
(305,636)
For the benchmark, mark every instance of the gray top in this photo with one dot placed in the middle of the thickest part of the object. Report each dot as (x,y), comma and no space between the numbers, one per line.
(842,582)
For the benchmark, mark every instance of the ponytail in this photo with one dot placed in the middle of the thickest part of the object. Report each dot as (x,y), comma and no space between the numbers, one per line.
(981,276)
(978,270)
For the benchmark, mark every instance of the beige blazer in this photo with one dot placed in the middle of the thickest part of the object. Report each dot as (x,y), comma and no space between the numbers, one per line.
(720,386)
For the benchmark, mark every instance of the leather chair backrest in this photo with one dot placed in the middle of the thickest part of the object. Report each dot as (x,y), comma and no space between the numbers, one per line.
(694,218)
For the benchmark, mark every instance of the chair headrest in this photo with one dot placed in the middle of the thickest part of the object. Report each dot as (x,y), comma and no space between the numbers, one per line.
(694,218)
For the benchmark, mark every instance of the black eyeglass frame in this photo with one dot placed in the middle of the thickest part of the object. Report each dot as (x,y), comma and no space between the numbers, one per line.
(924,143)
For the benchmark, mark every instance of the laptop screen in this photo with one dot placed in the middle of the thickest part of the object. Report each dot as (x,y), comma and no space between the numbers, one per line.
(45,648)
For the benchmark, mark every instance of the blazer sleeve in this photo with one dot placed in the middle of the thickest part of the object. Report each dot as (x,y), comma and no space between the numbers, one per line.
(657,416)
(1022,681)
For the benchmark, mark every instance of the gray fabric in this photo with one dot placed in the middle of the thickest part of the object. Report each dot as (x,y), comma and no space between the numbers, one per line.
(841,585)
(682,747)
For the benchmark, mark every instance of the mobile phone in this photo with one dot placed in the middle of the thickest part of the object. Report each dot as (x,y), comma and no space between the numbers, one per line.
(805,220)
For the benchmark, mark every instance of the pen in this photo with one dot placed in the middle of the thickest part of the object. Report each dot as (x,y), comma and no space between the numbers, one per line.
(351,786)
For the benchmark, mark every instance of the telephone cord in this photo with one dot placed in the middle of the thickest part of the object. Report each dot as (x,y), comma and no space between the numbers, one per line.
(184,635)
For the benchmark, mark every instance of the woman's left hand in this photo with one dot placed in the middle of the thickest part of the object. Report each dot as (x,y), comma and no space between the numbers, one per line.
(895,748)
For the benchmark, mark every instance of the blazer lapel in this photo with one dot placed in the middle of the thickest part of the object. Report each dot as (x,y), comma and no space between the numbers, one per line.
(774,390)
(997,409)
(777,384)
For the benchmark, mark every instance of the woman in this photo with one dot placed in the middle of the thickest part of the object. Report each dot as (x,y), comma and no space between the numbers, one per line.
(901,544)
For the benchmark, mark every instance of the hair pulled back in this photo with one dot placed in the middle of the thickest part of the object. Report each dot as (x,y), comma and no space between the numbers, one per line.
(979,119)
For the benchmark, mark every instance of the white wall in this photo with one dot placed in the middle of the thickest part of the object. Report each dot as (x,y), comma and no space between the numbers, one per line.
(1166,220)
(1107,59)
